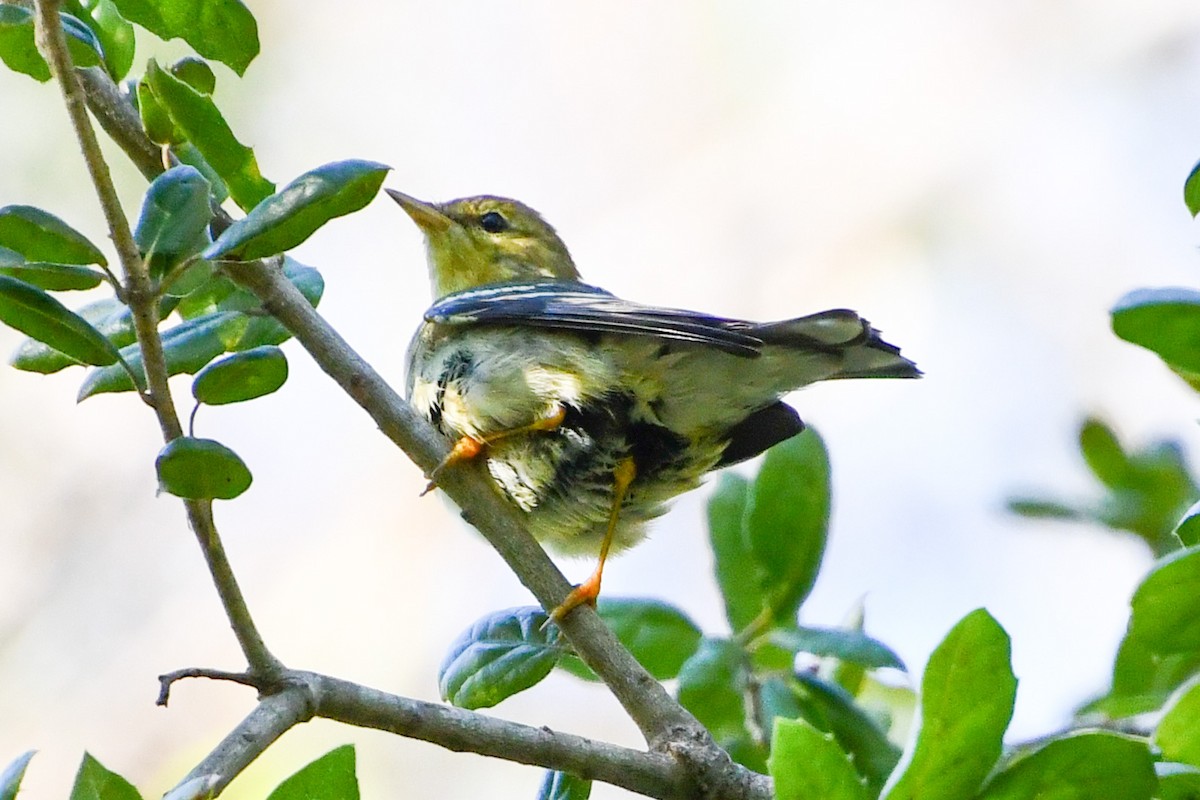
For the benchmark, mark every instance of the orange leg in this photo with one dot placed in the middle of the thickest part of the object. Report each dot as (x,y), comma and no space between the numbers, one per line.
(589,590)
(468,447)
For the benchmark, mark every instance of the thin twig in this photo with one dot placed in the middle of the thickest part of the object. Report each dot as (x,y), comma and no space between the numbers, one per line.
(165,682)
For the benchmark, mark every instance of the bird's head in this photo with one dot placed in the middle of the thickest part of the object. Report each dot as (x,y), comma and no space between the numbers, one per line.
(479,240)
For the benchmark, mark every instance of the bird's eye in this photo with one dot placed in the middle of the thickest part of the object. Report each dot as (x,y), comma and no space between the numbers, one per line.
(493,222)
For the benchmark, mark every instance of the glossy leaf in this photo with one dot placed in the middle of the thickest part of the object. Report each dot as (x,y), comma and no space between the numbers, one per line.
(40,236)
(787,519)
(55,277)
(174,220)
(19,51)
(197,119)
(659,635)
(241,376)
(201,469)
(563,786)
(188,154)
(94,782)
(502,654)
(11,775)
(187,347)
(1164,320)
(712,685)
(37,314)
(287,218)
(1178,732)
(738,575)
(109,316)
(967,696)
(1080,766)
(115,35)
(807,764)
(196,73)
(223,30)
(330,777)
(1166,606)
(845,645)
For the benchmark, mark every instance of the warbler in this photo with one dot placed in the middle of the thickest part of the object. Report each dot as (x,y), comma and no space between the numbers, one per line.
(592,411)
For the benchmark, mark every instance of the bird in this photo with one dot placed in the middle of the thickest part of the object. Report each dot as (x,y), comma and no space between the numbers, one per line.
(593,412)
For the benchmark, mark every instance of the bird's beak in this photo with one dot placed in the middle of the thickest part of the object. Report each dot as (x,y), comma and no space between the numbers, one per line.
(426,215)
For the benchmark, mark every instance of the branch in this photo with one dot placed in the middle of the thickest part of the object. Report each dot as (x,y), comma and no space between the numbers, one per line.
(139,292)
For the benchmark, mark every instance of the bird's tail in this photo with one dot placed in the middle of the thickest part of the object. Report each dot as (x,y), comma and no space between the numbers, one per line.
(843,333)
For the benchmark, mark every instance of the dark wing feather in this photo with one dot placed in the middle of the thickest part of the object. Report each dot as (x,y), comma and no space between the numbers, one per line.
(577,306)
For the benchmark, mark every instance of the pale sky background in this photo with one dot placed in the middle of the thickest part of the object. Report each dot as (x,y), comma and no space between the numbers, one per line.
(982,180)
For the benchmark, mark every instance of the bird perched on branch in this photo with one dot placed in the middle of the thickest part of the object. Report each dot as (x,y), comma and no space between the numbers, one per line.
(592,411)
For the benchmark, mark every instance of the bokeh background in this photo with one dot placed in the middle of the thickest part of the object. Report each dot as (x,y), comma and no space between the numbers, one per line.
(982,180)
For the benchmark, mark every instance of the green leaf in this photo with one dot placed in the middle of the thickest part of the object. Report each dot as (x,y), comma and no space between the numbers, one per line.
(659,635)
(787,519)
(223,30)
(82,44)
(287,218)
(807,764)
(967,696)
(1080,766)
(1043,508)
(188,154)
(241,376)
(19,51)
(115,35)
(739,576)
(1177,781)
(10,777)
(1166,606)
(40,236)
(563,786)
(206,298)
(197,118)
(1188,529)
(1103,453)
(156,121)
(37,314)
(502,654)
(1191,190)
(268,330)
(55,277)
(712,685)
(94,782)
(201,469)
(196,73)
(845,645)
(187,347)
(1178,732)
(174,221)
(1165,321)
(109,316)
(330,777)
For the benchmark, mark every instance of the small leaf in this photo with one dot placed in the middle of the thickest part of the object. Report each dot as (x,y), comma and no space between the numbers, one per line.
(1177,781)
(1178,732)
(197,118)
(201,469)
(1188,529)
(268,330)
(82,44)
(10,777)
(55,277)
(223,30)
(290,216)
(156,121)
(188,154)
(37,314)
(18,49)
(712,685)
(1191,191)
(967,696)
(330,777)
(502,654)
(1166,321)
(1079,766)
(40,236)
(659,635)
(115,35)
(174,220)
(196,73)
(787,520)
(1166,606)
(94,782)
(1103,453)
(563,786)
(807,764)
(845,645)
(1043,508)
(739,576)
(241,376)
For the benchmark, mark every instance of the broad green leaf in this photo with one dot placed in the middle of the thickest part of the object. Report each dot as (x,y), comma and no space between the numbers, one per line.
(223,30)
(563,786)
(184,280)
(19,51)
(10,776)
(738,575)
(1166,606)
(1188,529)
(174,220)
(156,121)
(967,696)
(37,314)
(188,154)
(1080,766)
(40,236)
(115,35)
(195,72)
(187,347)
(787,519)
(205,299)
(263,330)
(807,764)
(1191,191)
(659,635)
(109,316)
(55,277)
(845,645)
(502,654)
(1178,732)
(330,777)
(290,216)
(712,685)
(1177,781)
(95,782)
(241,376)
(1166,321)
(201,469)
(82,44)
(197,118)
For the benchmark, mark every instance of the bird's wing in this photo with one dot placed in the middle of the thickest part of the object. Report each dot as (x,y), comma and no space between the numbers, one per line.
(577,306)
